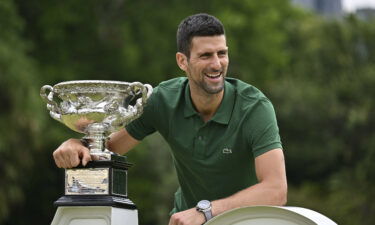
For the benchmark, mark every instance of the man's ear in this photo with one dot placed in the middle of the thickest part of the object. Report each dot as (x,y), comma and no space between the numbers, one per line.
(181,60)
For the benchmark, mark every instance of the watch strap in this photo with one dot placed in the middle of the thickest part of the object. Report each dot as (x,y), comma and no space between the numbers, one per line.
(207,213)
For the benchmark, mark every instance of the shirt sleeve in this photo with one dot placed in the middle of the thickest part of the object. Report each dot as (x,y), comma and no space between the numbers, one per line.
(264,132)
(144,125)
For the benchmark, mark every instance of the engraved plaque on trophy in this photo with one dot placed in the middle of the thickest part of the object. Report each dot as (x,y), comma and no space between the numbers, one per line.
(96,108)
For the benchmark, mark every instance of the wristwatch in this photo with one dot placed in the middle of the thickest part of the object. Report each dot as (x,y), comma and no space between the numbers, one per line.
(204,206)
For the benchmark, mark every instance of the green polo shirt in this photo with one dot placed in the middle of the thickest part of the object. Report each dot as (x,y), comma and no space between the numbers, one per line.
(215,159)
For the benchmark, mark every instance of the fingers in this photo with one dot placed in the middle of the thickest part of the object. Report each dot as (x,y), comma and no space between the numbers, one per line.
(58,160)
(85,155)
(70,153)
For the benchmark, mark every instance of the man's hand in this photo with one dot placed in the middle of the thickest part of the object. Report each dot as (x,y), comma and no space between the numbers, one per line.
(70,153)
(187,217)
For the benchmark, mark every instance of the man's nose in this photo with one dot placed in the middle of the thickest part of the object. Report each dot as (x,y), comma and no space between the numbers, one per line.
(215,63)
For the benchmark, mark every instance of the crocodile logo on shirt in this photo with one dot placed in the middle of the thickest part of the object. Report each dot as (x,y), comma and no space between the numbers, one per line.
(227,151)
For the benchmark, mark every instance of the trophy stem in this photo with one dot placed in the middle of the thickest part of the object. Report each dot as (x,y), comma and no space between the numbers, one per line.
(96,141)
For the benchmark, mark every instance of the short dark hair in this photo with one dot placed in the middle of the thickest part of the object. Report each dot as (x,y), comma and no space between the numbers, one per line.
(199,25)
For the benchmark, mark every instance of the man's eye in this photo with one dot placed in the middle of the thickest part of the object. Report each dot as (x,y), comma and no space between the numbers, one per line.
(223,53)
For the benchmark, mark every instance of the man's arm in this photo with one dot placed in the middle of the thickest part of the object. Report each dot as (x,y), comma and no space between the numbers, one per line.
(270,190)
(121,142)
(70,153)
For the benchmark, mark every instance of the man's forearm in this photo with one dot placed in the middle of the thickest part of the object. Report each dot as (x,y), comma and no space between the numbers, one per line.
(259,194)
(121,142)
(271,189)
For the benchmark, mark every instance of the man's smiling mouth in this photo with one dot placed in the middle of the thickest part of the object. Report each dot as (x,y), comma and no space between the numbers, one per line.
(213,75)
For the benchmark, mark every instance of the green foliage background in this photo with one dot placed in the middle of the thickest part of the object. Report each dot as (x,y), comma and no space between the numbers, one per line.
(319,73)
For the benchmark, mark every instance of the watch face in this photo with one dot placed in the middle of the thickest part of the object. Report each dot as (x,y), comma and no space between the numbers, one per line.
(204,204)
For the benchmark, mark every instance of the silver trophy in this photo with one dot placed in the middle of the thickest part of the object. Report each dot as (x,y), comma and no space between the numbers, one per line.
(96,108)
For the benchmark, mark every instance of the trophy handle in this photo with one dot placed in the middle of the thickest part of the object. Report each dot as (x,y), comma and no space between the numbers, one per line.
(126,112)
(146,90)
(55,111)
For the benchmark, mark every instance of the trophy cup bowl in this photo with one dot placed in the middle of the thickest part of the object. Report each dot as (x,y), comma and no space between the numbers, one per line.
(96,108)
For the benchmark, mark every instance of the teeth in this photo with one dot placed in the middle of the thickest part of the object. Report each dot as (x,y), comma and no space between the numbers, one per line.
(213,75)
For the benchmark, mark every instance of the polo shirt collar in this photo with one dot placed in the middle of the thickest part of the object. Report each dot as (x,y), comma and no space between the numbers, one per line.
(225,109)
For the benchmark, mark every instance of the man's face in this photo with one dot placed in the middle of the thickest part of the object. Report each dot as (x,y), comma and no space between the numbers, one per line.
(208,63)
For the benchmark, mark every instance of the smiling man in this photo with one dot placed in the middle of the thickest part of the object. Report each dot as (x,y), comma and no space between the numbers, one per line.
(223,132)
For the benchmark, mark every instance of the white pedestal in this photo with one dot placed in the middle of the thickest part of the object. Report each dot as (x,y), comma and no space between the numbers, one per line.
(95,215)
(270,215)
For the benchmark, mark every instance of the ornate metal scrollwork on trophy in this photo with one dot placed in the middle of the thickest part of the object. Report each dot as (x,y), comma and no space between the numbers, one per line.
(96,108)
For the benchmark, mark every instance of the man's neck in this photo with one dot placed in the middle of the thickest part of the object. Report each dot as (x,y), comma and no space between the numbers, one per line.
(206,104)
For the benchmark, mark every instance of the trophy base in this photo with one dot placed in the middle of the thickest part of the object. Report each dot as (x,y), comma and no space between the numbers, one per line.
(113,160)
(114,201)
(99,183)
